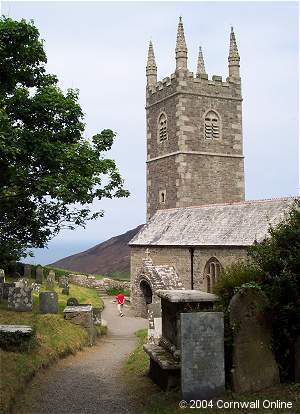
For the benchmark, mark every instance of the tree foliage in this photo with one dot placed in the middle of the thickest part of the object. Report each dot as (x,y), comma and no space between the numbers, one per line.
(274,267)
(49,173)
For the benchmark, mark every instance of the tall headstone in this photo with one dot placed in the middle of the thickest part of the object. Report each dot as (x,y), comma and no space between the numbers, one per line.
(202,355)
(50,280)
(20,299)
(48,302)
(39,274)
(254,365)
(155,322)
(297,359)
(2,281)
(27,270)
(63,282)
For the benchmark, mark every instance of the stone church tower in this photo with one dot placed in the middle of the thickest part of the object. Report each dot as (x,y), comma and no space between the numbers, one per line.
(194,133)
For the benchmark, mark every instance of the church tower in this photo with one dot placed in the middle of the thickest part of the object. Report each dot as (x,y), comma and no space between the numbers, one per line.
(194,133)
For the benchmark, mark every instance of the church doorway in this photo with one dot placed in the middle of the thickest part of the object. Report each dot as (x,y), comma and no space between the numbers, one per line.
(146,291)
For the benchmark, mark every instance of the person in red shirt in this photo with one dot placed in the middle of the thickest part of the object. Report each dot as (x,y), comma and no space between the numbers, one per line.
(121,300)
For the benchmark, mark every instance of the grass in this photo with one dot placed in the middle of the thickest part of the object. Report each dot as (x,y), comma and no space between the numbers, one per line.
(152,400)
(55,338)
(115,291)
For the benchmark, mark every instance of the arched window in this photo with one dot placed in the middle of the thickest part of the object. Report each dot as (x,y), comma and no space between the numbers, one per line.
(212,272)
(162,196)
(162,128)
(212,125)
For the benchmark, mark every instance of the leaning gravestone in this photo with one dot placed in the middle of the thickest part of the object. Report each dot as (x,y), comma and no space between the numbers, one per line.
(20,299)
(48,302)
(27,270)
(202,355)
(39,274)
(254,366)
(297,359)
(50,280)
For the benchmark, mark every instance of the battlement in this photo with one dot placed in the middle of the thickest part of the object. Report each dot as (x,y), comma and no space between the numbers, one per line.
(188,82)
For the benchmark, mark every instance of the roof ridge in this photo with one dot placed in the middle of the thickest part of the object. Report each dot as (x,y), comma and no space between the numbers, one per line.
(229,203)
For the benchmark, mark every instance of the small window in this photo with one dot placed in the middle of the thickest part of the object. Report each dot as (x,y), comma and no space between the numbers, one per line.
(162,197)
(212,125)
(212,272)
(162,128)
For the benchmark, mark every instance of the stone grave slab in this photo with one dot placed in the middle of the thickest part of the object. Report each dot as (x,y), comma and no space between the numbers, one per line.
(254,365)
(13,337)
(202,355)
(48,302)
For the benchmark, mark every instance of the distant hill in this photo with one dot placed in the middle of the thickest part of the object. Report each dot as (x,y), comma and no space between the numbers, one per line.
(111,257)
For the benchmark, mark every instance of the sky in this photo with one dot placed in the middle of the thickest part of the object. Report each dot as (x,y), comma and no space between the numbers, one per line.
(101,49)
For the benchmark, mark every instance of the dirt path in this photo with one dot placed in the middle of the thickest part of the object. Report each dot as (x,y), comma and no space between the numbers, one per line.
(89,382)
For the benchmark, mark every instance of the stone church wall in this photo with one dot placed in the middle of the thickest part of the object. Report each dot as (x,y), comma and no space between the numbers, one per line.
(180,258)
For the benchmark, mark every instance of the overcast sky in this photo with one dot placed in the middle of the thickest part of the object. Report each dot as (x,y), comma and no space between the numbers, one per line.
(101,49)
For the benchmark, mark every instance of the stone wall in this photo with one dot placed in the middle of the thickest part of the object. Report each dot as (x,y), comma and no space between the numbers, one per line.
(180,259)
(92,282)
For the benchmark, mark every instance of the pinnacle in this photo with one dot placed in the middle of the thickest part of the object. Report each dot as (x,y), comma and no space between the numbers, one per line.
(233,51)
(200,64)
(180,43)
(151,58)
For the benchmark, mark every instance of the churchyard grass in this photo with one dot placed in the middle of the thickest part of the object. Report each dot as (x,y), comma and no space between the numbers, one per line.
(155,401)
(55,338)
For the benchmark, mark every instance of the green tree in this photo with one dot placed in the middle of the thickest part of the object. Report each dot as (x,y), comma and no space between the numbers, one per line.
(49,173)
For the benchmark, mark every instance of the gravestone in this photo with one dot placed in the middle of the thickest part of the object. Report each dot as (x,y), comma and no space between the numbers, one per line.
(39,274)
(20,299)
(48,302)
(63,282)
(6,287)
(1,292)
(50,280)
(27,270)
(65,290)
(254,366)
(202,355)
(297,359)
(155,322)
(82,315)
(2,276)
(72,302)
(97,316)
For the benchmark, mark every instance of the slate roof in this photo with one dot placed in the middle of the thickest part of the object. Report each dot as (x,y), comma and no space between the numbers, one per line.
(229,224)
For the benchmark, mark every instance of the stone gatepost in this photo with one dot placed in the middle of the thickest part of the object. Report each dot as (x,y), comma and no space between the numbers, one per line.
(254,365)
(39,274)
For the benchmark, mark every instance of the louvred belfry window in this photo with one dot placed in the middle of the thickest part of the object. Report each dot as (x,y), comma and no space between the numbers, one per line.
(212,125)
(162,128)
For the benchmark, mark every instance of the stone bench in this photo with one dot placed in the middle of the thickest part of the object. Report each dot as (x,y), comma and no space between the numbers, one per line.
(164,369)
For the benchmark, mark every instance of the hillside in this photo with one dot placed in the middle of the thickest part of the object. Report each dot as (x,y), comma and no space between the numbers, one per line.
(107,258)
